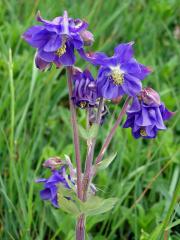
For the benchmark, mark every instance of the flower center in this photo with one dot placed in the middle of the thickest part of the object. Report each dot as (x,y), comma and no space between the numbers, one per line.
(143,132)
(62,49)
(117,76)
(83,104)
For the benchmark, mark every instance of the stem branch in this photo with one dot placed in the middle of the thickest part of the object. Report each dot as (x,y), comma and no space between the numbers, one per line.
(80,228)
(90,154)
(75,133)
(112,132)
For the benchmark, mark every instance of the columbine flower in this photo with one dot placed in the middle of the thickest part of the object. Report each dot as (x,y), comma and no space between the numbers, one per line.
(147,114)
(56,40)
(84,93)
(51,185)
(120,74)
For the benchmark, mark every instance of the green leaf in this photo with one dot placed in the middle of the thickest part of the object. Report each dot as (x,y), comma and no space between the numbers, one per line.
(96,205)
(70,206)
(83,132)
(88,133)
(106,162)
(93,130)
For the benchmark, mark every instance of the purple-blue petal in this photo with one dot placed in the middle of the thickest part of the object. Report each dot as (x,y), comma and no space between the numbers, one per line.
(53,44)
(124,52)
(132,85)
(45,194)
(41,64)
(68,58)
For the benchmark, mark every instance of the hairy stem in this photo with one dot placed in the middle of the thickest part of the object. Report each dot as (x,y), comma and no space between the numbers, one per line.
(112,132)
(90,155)
(75,133)
(80,228)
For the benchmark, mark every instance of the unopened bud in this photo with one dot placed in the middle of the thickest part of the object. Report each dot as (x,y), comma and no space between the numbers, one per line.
(87,37)
(53,163)
(150,97)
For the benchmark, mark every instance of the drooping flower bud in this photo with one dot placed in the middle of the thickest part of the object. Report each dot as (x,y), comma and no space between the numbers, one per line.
(87,37)
(150,97)
(53,163)
(84,92)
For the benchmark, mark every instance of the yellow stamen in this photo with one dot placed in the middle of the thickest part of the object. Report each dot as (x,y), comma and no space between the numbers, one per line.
(61,50)
(82,104)
(143,132)
(118,76)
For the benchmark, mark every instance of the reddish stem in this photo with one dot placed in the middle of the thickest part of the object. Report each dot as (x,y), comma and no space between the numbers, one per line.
(90,155)
(112,132)
(75,133)
(80,228)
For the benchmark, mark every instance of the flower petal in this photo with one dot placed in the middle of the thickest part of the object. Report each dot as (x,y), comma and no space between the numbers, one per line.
(68,58)
(46,56)
(31,32)
(136,69)
(41,64)
(124,52)
(77,41)
(45,194)
(131,86)
(53,44)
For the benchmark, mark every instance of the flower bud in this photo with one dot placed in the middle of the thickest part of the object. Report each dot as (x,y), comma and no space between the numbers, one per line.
(150,97)
(53,163)
(87,37)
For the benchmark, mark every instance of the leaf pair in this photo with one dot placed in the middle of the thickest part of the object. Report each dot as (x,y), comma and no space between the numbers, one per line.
(69,203)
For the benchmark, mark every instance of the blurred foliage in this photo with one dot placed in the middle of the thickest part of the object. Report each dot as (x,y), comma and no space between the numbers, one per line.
(35,124)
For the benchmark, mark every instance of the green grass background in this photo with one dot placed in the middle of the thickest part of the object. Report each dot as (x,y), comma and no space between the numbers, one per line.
(35,124)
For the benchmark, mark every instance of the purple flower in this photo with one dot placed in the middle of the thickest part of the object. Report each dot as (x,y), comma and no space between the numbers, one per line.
(147,114)
(51,185)
(84,92)
(120,74)
(56,40)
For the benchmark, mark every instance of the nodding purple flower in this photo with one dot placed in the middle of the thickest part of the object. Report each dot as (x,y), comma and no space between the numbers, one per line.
(147,114)
(51,185)
(56,40)
(84,92)
(120,74)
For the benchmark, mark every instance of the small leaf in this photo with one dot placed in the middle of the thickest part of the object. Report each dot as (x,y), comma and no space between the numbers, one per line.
(93,130)
(68,205)
(88,133)
(96,205)
(83,132)
(71,205)
(106,162)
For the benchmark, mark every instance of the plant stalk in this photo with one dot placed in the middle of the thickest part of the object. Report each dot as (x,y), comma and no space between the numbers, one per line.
(112,132)
(80,228)
(90,155)
(75,133)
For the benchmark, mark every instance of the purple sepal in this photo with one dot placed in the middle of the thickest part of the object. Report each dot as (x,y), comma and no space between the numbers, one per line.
(41,64)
